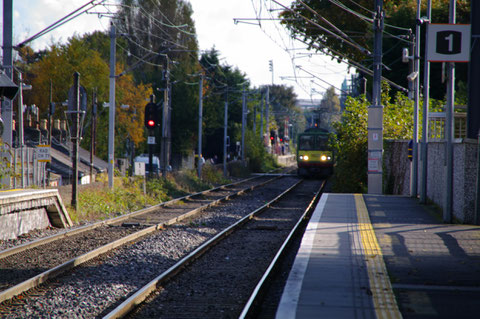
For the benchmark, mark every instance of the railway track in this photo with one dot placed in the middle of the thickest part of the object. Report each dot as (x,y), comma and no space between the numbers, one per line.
(217,279)
(37,258)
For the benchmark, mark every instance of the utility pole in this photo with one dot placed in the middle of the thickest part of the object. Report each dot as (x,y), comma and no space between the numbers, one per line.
(267,107)
(261,118)
(21,141)
(416,106)
(93,131)
(270,65)
(449,122)
(75,137)
(375,111)
(244,102)
(6,107)
(473,111)
(164,145)
(50,114)
(254,120)
(473,116)
(111,111)
(225,126)
(426,106)
(200,123)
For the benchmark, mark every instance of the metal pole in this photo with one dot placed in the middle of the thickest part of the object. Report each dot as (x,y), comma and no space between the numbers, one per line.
(28,166)
(416,66)
(473,111)
(8,66)
(449,123)
(476,217)
(111,111)
(75,138)
(225,123)
(254,121)
(267,107)
(426,103)
(15,168)
(200,123)
(93,132)
(261,119)
(164,146)
(50,114)
(6,109)
(375,111)
(21,141)
(243,123)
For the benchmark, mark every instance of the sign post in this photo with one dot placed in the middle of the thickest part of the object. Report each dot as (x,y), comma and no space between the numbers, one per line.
(449,43)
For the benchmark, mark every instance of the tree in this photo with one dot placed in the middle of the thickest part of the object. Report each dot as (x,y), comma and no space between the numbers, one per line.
(162,44)
(354,19)
(56,67)
(350,139)
(329,109)
(283,101)
(222,81)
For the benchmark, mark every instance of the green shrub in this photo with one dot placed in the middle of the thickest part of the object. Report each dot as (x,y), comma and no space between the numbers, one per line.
(351,140)
(258,158)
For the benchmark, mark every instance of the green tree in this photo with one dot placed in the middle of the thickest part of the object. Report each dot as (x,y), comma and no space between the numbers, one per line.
(161,42)
(350,139)
(283,106)
(354,19)
(222,81)
(56,67)
(329,109)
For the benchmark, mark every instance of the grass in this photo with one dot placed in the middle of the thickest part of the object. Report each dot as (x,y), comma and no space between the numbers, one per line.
(130,193)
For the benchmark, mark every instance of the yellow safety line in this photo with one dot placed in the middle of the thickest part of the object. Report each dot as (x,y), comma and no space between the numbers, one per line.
(11,190)
(382,293)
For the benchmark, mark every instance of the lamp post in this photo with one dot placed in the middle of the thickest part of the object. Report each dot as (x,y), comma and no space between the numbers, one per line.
(75,117)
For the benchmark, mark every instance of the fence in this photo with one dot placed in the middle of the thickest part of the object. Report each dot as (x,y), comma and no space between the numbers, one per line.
(22,167)
(436,126)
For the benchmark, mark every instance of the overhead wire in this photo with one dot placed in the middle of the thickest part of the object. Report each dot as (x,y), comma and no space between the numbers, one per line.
(354,45)
(72,15)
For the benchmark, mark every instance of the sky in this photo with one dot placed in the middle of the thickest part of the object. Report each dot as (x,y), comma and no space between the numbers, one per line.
(248,44)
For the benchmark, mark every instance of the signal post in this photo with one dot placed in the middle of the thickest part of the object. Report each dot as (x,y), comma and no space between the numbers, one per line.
(151,121)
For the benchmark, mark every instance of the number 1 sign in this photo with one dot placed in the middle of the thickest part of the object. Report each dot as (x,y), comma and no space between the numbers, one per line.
(448,43)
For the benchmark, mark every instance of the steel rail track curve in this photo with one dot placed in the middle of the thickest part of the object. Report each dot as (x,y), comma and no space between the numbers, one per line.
(53,272)
(14,250)
(257,294)
(142,294)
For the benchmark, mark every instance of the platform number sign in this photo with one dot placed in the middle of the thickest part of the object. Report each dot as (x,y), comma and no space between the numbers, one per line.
(448,43)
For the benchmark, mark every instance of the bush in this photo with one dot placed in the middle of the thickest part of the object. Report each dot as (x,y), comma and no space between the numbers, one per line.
(351,140)
(258,158)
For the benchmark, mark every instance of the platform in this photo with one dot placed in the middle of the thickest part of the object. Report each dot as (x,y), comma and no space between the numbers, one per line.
(23,210)
(340,270)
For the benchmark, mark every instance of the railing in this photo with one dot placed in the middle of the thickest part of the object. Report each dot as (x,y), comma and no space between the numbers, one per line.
(31,173)
(436,126)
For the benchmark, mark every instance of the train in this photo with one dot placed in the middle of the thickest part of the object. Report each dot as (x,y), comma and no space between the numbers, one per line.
(314,156)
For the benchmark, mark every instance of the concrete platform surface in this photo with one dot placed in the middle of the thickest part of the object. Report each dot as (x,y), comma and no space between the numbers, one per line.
(375,256)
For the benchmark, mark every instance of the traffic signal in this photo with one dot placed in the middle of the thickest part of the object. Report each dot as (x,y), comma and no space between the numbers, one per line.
(151,115)
(272,137)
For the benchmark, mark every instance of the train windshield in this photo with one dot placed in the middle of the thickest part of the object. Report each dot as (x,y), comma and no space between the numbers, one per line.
(311,142)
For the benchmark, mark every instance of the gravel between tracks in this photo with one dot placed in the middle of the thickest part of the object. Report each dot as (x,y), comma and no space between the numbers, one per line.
(106,280)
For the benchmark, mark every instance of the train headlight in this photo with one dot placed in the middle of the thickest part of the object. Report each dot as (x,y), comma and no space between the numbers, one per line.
(304,157)
(323,158)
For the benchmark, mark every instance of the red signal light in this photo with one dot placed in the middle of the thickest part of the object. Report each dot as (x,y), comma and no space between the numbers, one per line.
(271,137)
(151,123)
